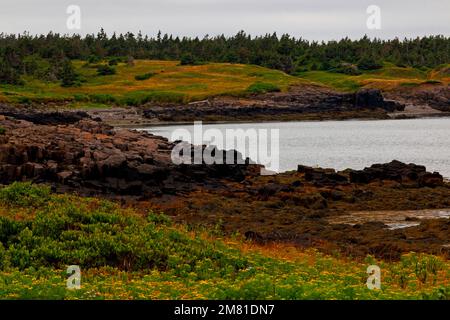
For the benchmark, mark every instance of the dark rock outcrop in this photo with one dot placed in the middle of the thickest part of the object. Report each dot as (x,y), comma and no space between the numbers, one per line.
(43,117)
(370,98)
(300,101)
(320,176)
(436,96)
(410,174)
(397,171)
(373,98)
(90,157)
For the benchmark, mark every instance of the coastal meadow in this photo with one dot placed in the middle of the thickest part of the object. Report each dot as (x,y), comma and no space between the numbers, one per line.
(148,81)
(127,253)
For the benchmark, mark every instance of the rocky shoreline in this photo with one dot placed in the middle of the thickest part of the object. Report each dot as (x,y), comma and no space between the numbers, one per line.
(86,156)
(92,153)
(297,104)
(92,158)
(300,103)
(306,102)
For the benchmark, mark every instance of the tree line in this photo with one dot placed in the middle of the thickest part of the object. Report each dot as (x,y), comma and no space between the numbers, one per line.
(49,56)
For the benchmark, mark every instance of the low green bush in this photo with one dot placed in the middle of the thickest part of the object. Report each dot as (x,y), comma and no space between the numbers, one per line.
(145,76)
(102,98)
(188,60)
(2,131)
(24,194)
(96,233)
(347,68)
(124,254)
(94,59)
(79,97)
(262,87)
(23,100)
(369,63)
(409,84)
(105,70)
(140,97)
(432,82)
(114,61)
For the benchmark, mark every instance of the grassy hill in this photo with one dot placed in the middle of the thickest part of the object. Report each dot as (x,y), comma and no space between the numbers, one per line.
(125,253)
(167,81)
(386,78)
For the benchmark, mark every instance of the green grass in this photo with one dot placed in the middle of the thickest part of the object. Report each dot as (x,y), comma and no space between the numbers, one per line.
(126,254)
(387,78)
(145,76)
(148,81)
(167,81)
(336,80)
(262,87)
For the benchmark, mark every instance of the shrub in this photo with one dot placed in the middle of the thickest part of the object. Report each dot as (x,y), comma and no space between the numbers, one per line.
(173,262)
(38,67)
(145,76)
(262,87)
(188,60)
(347,68)
(23,100)
(9,74)
(93,59)
(95,233)
(159,218)
(25,194)
(68,76)
(409,84)
(114,61)
(432,82)
(102,98)
(105,70)
(79,97)
(140,98)
(2,131)
(300,69)
(369,63)
(401,65)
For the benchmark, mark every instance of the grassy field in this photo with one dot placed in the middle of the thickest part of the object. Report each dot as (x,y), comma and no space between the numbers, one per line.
(386,78)
(168,82)
(127,254)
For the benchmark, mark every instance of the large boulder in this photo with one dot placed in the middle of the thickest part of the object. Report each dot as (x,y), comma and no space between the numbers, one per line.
(369,98)
(373,98)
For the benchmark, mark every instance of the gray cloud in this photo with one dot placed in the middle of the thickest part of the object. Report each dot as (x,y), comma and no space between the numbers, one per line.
(315,20)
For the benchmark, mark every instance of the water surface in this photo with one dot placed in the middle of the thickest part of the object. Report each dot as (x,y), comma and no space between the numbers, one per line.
(352,144)
(393,219)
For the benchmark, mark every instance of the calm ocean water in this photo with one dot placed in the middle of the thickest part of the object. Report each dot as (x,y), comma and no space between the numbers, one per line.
(352,144)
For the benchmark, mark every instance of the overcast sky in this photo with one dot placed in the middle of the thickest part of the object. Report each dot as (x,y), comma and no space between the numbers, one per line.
(310,19)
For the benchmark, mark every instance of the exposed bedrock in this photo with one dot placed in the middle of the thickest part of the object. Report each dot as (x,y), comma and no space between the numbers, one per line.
(298,101)
(372,98)
(397,171)
(90,157)
(407,174)
(43,117)
(434,95)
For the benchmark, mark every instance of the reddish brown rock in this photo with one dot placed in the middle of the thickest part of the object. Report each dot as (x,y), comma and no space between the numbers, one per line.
(91,157)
